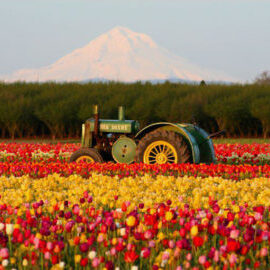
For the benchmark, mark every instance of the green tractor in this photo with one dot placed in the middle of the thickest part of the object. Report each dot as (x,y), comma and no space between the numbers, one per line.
(124,142)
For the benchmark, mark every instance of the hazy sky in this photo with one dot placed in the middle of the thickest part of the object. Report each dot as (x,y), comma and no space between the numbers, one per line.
(227,35)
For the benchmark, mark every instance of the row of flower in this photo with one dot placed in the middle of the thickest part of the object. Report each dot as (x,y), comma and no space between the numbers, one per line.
(254,153)
(195,191)
(44,168)
(226,153)
(150,223)
(37,151)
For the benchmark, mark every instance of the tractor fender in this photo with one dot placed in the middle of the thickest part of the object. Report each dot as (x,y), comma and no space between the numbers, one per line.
(207,151)
(179,128)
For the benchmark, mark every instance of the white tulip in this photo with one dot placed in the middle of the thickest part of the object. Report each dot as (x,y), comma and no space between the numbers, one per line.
(92,254)
(5,263)
(122,231)
(62,265)
(9,229)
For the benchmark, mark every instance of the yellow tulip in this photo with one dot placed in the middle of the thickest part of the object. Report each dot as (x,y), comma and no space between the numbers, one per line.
(194,230)
(24,262)
(131,221)
(141,189)
(77,258)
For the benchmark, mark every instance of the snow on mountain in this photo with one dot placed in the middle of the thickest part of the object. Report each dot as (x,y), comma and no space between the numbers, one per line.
(120,55)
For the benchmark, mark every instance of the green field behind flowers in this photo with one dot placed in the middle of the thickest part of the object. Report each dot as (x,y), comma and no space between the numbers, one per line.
(29,110)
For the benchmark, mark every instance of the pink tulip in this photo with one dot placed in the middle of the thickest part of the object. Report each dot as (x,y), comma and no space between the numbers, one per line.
(145,253)
(148,234)
(189,256)
(165,256)
(95,262)
(202,259)
(47,255)
(49,245)
(232,258)
(216,256)
(4,254)
(113,251)
(151,244)
(171,244)
(264,252)
(234,234)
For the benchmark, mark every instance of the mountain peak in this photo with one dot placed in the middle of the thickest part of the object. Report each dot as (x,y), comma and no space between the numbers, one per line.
(121,30)
(121,55)
(122,35)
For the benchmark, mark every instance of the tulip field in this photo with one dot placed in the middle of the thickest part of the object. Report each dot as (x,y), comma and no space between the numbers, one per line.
(60,215)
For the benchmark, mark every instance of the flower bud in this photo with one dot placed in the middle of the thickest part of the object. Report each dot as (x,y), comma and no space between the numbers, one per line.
(9,229)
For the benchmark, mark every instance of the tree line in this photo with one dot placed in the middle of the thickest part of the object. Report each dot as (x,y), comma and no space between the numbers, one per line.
(58,109)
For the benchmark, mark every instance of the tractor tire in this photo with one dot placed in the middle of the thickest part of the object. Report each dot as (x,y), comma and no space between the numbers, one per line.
(88,154)
(162,146)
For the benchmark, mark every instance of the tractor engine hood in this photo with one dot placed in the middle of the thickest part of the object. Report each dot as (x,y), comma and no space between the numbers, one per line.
(114,126)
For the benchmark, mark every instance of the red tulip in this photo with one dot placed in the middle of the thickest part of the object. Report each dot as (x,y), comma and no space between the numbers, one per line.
(84,262)
(198,241)
(131,256)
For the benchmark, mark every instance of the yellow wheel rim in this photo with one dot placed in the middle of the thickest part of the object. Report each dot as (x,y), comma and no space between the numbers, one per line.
(87,159)
(160,152)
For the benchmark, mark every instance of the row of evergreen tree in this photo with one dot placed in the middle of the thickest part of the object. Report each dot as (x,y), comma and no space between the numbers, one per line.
(58,110)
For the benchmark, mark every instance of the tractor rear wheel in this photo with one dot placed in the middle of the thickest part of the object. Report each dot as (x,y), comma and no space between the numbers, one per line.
(89,155)
(162,146)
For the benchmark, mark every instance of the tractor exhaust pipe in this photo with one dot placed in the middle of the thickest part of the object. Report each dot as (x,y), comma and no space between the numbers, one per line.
(121,113)
(96,117)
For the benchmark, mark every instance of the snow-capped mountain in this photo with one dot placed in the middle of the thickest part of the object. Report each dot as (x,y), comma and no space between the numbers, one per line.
(120,55)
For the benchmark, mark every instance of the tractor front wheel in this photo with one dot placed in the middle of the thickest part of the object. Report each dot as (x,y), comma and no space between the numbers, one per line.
(89,155)
(162,146)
